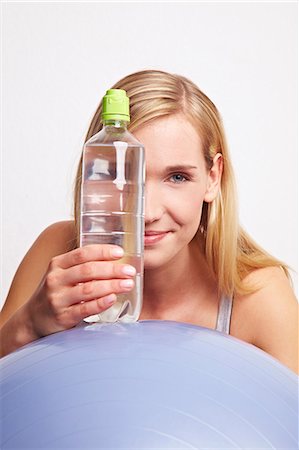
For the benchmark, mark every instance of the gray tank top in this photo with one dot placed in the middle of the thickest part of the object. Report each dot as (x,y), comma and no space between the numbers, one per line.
(224,314)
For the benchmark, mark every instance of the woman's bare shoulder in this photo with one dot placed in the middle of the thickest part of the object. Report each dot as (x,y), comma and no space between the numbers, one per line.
(268,317)
(61,236)
(270,285)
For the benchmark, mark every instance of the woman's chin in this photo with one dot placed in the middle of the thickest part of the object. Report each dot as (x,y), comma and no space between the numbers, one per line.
(151,265)
(152,262)
(156,260)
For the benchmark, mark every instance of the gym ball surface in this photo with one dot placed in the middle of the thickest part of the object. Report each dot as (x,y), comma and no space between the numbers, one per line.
(147,385)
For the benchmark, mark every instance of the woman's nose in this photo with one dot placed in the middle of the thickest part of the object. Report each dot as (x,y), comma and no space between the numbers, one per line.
(154,208)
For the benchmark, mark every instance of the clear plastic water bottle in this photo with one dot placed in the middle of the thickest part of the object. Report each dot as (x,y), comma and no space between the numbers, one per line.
(112,198)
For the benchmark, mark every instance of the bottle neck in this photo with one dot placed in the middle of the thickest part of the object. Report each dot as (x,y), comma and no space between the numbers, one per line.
(115,123)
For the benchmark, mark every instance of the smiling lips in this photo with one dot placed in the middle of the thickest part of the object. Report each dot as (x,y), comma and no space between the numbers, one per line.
(151,237)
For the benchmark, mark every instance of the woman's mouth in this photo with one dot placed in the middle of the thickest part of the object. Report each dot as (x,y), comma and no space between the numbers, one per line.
(152,237)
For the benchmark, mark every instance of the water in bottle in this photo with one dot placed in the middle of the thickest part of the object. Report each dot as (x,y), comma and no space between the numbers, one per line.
(112,198)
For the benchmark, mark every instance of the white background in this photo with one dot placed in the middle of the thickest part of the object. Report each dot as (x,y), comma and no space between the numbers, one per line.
(59,58)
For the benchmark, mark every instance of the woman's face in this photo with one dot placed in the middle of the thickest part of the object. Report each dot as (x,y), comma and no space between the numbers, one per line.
(177,184)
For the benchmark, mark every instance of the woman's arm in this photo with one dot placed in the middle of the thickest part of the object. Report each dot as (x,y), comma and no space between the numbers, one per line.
(16,328)
(58,238)
(56,287)
(270,315)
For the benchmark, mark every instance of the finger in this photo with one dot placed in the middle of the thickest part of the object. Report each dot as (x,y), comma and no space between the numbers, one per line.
(97,306)
(94,252)
(96,270)
(92,290)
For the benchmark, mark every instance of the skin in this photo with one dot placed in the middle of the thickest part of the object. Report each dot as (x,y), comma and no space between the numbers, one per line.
(52,281)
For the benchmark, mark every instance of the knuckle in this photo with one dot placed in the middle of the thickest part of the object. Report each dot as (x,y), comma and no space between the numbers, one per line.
(53,263)
(80,255)
(83,309)
(87,288)
(116,286)
(64,320)
(100,305)
(114,271)
(51,280)
(87,270)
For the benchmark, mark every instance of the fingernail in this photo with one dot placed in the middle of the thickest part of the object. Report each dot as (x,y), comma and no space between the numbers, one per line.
(129,270)
(117,252)
(126,284)
(109,300)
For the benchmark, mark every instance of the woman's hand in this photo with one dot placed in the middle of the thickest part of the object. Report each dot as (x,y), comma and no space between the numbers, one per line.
(78,284)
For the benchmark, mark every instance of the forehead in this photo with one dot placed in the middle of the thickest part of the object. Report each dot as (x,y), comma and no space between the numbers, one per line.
(170,139)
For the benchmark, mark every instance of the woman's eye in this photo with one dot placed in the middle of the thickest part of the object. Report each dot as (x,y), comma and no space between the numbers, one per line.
(178,178)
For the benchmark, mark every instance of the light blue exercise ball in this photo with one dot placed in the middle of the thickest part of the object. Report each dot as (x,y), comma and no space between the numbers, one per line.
(147,385)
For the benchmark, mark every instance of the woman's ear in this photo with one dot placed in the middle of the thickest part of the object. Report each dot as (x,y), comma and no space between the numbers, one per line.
(214,178)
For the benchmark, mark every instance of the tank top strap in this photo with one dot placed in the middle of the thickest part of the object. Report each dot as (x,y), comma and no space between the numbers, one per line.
(224,314)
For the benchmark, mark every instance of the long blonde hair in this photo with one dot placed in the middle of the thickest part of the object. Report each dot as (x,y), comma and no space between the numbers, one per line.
(229,251)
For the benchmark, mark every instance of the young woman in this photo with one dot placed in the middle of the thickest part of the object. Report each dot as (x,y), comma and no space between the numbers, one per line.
(200,265)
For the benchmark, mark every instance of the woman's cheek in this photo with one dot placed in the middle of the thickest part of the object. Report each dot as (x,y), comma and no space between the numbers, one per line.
(186,208)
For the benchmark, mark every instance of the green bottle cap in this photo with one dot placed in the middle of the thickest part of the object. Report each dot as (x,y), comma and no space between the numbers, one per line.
(116,105)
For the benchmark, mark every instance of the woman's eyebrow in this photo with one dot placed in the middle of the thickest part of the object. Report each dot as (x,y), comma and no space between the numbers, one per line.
(180,167)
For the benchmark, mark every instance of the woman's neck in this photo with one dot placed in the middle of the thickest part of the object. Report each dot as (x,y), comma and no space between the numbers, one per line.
(179,288)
